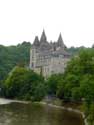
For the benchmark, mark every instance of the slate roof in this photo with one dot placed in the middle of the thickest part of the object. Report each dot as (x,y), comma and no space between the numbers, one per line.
(45,48)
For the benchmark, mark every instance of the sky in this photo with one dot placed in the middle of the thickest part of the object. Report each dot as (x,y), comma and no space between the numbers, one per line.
(22,20)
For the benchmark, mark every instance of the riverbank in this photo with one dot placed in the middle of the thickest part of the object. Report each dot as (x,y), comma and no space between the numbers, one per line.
(50,104)
(65,108)
(37,114)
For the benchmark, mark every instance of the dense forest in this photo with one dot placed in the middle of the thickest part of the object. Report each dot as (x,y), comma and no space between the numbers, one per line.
(13,55)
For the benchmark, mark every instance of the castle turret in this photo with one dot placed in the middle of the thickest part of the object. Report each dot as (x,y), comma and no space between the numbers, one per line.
(36,41)
(43,37)
(60,40)
(33,51)
(44,45)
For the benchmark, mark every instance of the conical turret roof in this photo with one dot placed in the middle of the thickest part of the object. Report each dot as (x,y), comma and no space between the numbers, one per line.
(36,41)
(60,41)
(43,37)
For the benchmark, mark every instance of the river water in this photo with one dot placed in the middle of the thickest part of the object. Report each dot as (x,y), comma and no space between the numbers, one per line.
(14,113)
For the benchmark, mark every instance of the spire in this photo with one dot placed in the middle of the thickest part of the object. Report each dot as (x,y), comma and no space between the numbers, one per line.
(60,41)
(36,41)
(43,37)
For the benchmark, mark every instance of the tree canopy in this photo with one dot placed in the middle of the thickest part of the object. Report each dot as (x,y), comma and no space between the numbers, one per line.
(24,84)
(13,55)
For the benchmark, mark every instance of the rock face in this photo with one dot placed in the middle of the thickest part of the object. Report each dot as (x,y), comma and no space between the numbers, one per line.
(48,58)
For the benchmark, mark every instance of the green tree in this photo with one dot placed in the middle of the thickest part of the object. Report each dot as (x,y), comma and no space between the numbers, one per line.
(79,77)
(53,83)
(24,84)
(13,55)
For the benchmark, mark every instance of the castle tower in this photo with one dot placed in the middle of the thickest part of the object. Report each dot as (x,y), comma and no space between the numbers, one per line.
(60,41)
(43,37)
(36,41)
(44,45)
(33,52)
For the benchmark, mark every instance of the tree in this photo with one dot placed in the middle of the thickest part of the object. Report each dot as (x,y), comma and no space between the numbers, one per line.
(25,84)
(53,82)
(87,88)
(13,55)
(79,77)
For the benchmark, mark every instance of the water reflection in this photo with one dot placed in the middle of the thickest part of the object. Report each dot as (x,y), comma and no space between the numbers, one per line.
(35,114)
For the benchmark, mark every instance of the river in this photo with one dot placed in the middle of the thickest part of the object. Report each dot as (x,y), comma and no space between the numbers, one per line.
(15,113)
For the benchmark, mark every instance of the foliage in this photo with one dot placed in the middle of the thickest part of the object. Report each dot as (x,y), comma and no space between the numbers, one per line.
(24,84)
(53,82)
(79,76)
(13,55)
(78,82)
(91,114)
(87,87)
(75,50)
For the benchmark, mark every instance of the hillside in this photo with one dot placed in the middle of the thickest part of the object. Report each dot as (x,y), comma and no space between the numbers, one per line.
(13,55)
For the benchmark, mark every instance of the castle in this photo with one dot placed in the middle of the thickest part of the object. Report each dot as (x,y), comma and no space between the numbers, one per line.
(48,58)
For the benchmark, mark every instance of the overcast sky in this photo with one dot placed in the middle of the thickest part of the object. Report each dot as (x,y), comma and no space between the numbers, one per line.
(22,20)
